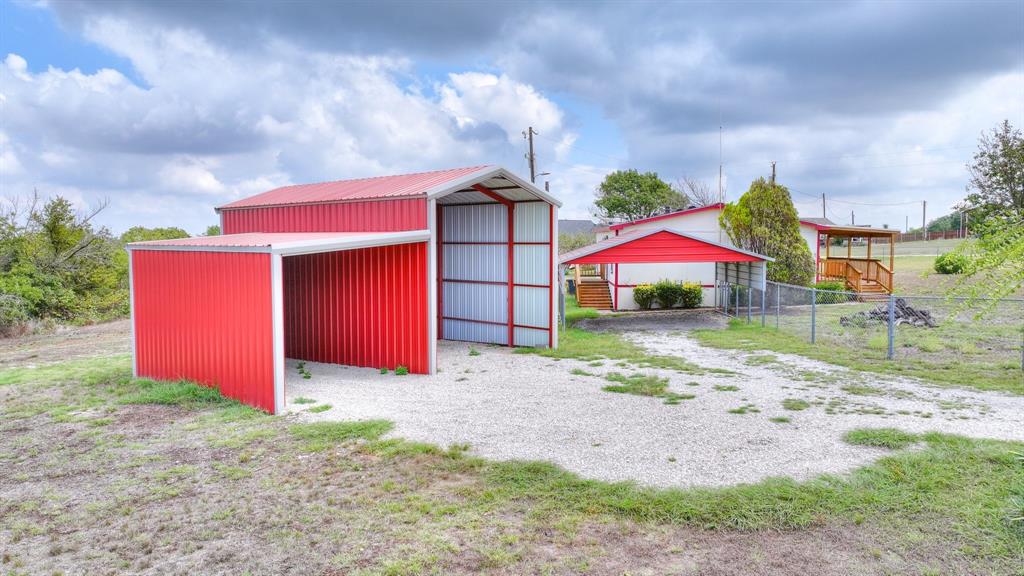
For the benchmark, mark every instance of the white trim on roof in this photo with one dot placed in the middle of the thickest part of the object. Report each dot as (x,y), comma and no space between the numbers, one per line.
(350,241)
(628,237)
(486,173)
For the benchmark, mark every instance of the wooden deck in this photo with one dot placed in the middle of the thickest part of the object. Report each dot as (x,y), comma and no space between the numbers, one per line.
(862,275)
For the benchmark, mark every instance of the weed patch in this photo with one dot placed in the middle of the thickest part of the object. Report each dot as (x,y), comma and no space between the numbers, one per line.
(795,404)
(318,436)
(890,438)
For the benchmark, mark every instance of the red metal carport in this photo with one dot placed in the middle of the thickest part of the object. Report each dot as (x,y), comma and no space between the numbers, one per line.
(225,311)
(666,245)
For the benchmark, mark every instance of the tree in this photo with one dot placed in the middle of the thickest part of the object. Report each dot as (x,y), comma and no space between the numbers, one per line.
(997,176)
(630,195)
(995,203)
(698,193)
(143,234)
(212,230)
(946,223)
(568,242)
(764,221)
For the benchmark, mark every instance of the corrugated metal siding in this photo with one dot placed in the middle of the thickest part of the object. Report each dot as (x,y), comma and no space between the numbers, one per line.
(483,223)
(370,216)
(359,188)
(532,306)
(530,262)
(485,302)
(532,222)
(475,332)
(531,337)
(364,307)
(481,262)
(206,317)
(474,246)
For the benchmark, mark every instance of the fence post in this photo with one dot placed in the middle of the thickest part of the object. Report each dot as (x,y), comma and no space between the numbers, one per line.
(725,298)
(814,313)
(749,294)
(764,294)
(778,304)
(892,326)
(736,308)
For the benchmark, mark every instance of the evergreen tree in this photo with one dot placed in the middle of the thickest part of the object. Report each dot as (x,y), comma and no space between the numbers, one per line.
(765,221)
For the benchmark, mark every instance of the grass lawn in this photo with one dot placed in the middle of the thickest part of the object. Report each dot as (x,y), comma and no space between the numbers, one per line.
(945,355)
(104,473)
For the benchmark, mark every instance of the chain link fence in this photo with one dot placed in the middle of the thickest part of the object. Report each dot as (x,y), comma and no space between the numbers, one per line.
(919,330)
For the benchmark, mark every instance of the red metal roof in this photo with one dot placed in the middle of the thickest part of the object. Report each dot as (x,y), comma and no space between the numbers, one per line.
(660,245)
(286,242)
(664,216)
(358,189)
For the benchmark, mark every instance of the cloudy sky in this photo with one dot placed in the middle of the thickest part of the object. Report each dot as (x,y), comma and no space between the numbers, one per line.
(171,108)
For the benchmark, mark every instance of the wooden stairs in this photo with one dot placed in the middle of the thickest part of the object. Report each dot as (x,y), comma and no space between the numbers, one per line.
(871,291)
(594,294)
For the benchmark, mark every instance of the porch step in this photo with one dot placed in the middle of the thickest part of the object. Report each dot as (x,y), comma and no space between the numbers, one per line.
(594,295)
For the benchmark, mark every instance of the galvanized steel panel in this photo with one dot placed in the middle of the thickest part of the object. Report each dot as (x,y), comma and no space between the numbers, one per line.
(531,337)
(487,302)
(483,262)
(370,216)
(532,222)
(531,264)
(206,317)
(465,198)
(475,332)
(365,307)
(532,306)
(482,223)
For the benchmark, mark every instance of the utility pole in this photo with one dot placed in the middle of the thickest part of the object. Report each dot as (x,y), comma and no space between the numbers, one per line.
(773,172)
(906,224)
(852,221)
(721,198)
(531,157)
(823,205)
(924,225)
(547,186)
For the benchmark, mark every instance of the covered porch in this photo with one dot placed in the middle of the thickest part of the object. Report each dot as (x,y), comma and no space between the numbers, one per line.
(600,282)
(866,267)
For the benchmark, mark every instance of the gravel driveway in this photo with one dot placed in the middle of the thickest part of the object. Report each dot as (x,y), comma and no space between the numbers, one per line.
(524,406)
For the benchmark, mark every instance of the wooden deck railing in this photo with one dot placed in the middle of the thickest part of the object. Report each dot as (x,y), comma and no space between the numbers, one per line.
(856,271)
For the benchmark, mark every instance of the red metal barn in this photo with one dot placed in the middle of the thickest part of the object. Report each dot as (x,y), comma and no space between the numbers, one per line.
(368,272)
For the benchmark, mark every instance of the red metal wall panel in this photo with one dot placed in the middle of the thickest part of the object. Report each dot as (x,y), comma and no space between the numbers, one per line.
(370,216)
(364,307)
(206,317)
(664,247)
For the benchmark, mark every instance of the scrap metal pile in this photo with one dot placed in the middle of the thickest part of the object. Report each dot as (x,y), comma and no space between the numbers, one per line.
(903,313)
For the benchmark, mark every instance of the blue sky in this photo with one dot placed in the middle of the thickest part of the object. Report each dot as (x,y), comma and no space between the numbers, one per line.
(169,109)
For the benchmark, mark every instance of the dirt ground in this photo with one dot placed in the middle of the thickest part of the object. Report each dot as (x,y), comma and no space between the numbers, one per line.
(90,485)
(67,343)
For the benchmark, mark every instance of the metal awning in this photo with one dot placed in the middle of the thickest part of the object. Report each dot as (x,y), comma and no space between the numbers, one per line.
(659,245)
(285,243)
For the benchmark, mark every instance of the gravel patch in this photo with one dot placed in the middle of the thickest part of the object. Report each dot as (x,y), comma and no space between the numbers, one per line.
(526,407)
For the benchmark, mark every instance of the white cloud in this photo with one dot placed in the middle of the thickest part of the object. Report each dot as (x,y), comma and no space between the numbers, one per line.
(219,124)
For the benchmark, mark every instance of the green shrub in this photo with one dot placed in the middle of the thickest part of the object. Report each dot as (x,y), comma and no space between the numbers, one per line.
(691,295)
(834,285)
(951,263)
(667,293)
(644,296)
(828,297)
(14,313)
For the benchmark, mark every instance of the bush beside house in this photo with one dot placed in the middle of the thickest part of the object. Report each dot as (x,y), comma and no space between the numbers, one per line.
(668,294)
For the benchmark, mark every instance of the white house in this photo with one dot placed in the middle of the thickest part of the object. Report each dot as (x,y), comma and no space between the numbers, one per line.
(703,223)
